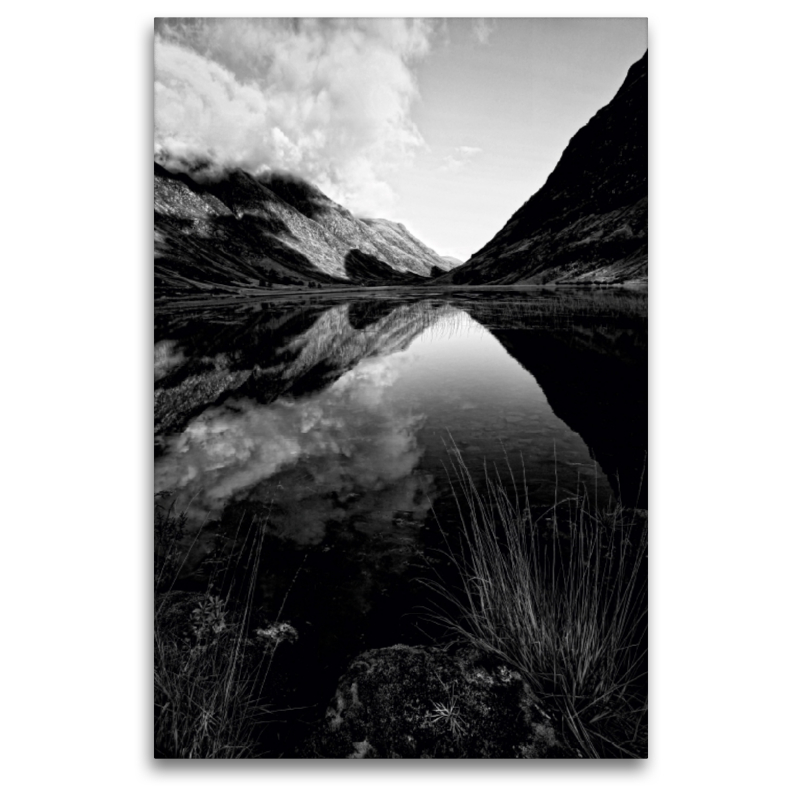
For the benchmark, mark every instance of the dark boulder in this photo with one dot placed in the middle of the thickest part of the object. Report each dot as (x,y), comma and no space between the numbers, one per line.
(422,702)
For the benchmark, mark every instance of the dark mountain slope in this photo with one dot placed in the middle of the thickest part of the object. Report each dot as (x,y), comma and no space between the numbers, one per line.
(405,248)
(589,220)
(243,230)
(390,242)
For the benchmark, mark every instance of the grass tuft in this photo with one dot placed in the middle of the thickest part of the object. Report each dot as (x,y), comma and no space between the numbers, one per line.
(211,662)
(562,598)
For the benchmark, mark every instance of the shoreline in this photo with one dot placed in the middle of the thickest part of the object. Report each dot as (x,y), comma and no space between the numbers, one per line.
(240,296)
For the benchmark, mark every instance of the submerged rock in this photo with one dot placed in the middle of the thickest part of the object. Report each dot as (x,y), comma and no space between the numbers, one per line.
(421,702)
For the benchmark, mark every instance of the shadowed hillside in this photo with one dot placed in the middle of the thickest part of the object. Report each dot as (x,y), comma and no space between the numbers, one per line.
(589,220)
(239,230)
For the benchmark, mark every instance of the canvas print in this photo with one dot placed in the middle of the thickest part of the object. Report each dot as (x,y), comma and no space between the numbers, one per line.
(400,388)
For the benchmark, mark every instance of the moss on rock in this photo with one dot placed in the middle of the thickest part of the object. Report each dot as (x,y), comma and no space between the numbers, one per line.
(422,702)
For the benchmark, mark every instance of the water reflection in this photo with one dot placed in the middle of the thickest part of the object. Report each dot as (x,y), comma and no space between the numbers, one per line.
(329,426)
(593,373)
(270,354)
(347,453)
(311,424)
(354,397)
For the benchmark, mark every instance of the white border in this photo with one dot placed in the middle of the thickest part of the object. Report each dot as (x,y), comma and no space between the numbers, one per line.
(76,324)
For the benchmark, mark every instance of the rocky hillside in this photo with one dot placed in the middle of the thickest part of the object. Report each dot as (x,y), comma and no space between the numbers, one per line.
(589,220)
(242,230)
(406,251)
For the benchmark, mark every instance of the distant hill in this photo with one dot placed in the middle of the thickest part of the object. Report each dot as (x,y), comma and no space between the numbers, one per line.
(239,229)
(588,222)
(406,250)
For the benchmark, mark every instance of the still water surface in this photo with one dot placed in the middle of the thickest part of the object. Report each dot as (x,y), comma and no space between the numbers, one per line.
(331,426)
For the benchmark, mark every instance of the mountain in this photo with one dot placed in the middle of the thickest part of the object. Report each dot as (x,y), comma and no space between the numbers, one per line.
(588,222)
(238,229)
(409,251)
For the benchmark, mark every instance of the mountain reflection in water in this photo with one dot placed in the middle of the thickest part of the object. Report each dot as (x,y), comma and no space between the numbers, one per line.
(350,398)
(347,452)
(330,426)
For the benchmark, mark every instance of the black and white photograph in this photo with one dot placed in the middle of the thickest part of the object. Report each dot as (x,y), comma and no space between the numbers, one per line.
(465,335)
(401,292)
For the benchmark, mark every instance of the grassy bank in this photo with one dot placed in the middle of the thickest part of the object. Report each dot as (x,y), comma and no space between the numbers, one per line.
(561,597)
(212,653)
(558,595)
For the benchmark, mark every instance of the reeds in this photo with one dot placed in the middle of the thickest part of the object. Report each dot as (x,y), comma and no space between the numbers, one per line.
(211,662)
(563,306)
(562,598)
(204,698)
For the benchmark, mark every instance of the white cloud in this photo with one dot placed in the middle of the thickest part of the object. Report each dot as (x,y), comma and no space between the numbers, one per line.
(459,158)
(326,99)
(482,29)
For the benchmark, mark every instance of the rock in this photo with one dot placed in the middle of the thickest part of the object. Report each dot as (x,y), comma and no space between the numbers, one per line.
(422,702)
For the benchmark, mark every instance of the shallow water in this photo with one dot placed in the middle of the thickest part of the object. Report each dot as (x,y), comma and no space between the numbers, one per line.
(330,427)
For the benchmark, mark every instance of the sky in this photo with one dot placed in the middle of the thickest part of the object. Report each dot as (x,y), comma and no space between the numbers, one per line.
(447,126)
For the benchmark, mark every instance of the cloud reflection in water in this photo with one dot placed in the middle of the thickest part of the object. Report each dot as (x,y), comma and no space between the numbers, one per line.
(347,456)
